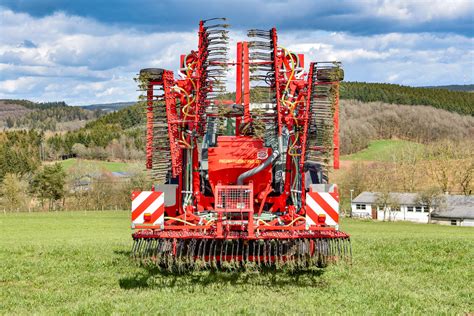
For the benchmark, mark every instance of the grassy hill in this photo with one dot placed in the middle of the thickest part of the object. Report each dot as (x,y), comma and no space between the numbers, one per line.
(382,150)
(111,166)
(79,263)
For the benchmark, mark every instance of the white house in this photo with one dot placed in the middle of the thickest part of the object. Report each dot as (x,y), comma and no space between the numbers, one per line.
(458,209)
(364,205)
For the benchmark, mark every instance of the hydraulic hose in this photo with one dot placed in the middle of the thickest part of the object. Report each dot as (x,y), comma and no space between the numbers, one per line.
(251,172)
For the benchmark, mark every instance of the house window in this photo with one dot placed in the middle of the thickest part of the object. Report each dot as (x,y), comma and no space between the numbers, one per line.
(454,222)
(426,209)
(418,209)
(409,208)
(396,209)
(360,206)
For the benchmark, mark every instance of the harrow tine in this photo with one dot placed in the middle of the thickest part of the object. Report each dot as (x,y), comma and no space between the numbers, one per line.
(225,26)
(142,248)
(199,255)
(268,252)
(191,253)
(204,252)
(213,19)
(350,250)
(134,247)
(281,248)
(246,250)
(178,258)
(238,251)
(232,252)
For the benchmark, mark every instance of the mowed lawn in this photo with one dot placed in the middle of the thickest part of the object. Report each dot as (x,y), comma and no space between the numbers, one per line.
(78,263)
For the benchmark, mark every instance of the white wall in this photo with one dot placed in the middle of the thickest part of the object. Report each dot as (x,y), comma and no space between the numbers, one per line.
(361,213)
(405,215)
(402,215)
(468,222)
(459,222)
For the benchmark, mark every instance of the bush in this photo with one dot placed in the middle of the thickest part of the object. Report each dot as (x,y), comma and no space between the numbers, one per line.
(13,192)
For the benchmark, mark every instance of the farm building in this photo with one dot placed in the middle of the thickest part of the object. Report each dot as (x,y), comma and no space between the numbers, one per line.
(455,209)
(459,211)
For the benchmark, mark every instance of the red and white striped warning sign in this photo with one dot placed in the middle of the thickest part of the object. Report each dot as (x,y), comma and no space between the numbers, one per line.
(322,203)
(149,203)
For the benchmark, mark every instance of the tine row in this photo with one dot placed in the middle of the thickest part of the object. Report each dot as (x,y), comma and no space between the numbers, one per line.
(180,255)
(320,131)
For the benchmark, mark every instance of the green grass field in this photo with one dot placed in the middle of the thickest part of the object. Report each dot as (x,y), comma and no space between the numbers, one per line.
(106,165)
(381,150)
(78,263)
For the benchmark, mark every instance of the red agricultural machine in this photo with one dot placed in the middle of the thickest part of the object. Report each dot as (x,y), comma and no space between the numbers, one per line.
(241,179)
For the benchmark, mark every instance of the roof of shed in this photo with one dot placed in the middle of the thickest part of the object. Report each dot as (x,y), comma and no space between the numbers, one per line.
(457,206)
(371,197)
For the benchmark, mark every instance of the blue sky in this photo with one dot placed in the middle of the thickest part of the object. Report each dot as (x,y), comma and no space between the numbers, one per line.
(89,51)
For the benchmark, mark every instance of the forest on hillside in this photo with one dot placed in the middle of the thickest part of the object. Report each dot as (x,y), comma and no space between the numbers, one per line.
(453,101)
(120,134)
(47,116)
(362,122)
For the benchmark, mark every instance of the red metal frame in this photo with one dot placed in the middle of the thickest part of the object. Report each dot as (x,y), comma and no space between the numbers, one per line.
(149,127)
(246,65)
(336,128)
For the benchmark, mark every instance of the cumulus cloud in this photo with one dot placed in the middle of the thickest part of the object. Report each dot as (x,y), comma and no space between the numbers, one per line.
(82,61)
(419,11)
(351,16)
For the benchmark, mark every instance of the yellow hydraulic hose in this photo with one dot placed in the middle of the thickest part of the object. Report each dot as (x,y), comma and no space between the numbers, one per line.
(296,219)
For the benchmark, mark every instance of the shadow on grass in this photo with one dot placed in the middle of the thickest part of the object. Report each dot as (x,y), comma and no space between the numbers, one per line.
(156,277)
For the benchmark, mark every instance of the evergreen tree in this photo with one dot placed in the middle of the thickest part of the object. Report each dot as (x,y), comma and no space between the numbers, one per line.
(49,183)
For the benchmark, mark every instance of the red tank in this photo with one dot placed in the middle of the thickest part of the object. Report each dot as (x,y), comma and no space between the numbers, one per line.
(236,154)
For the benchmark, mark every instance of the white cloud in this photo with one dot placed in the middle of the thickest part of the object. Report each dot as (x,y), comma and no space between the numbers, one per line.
(82,61)
(418,11)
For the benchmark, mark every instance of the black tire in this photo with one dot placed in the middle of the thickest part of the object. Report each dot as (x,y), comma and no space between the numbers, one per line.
(330,74)
(155,74)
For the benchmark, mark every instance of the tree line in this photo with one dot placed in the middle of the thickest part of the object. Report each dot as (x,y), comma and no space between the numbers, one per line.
(455,101)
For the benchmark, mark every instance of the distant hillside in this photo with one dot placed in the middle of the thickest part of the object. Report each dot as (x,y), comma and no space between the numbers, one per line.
(454,101)
(11,110)
(117,135)
(362,122)
(50,116)
(455,87)
(107,107)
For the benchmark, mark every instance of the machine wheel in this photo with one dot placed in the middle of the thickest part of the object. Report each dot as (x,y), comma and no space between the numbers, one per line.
(155,74)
